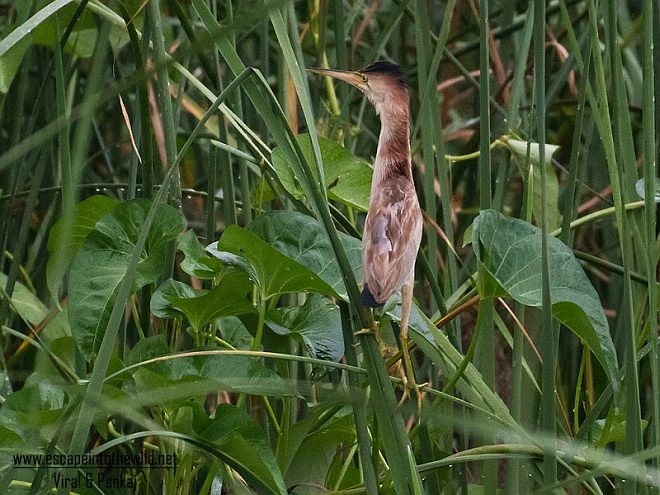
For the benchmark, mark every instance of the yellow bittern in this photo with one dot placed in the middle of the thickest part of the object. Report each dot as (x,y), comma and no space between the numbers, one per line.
(393,228)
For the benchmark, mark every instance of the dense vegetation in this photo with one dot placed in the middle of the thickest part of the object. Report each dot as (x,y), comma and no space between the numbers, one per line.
(181,211)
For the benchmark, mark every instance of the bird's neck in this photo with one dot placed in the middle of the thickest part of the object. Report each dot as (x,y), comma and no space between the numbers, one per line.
(393,155)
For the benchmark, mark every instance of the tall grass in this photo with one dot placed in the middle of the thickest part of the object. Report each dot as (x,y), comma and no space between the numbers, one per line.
(200,105)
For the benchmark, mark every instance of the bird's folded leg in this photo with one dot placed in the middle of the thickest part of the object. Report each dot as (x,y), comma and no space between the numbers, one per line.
(372,329)
(408,372)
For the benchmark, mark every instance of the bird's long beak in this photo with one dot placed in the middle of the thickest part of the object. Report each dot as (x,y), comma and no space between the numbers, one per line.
(350,77)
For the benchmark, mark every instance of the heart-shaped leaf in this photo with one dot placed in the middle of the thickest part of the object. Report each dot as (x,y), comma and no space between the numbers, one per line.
(180,377)
(321,445)
(615,433)
(100,265)
(183,376)
(242,444)
(197,262)
(85,216)
(510,250)
(83,36)
(301,237)
(316,323)
(34,411)
(162,304)
(273,272)
(10,61)
(229,297)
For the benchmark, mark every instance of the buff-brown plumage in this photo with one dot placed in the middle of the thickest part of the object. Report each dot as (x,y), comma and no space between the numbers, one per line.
(393,228)
(392,233)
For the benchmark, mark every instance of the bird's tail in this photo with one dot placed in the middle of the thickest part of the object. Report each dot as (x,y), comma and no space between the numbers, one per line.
(367,298)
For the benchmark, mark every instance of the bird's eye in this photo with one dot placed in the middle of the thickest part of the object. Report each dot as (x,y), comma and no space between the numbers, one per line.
(364,78)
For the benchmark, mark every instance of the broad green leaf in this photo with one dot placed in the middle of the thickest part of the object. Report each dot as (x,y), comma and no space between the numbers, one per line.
(82,38)
(45,369)
(197,262)
(34,411)
(85,216)
(10,61)
(640,188)
(41,28)
(160,300)
(467,236)
(616,432)
(347,177)
(11,442)
(25,28)
(28,306)
(231,296)
(273,272)
(519,151)
(242,444)
(147,348)
(293,437)
(313,458)
(262,194)
(233,331)
(316,323)
(100,265)
(57,327)
(220,371)
(12,54)
(181,377)
(510,250)
(301,237)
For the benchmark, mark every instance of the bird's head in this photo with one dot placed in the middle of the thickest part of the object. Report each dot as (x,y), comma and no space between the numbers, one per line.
(383,83)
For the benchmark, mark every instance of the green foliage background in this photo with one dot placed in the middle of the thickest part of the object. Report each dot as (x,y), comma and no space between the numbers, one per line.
(181,207)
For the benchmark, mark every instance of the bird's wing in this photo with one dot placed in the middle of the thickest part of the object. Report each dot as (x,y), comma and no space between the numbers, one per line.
(392,234)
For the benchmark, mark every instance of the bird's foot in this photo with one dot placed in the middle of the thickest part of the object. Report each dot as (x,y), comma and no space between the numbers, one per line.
(372,329)
(408,376)
(411,386)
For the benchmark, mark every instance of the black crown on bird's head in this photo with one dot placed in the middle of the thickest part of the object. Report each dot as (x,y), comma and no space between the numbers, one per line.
(389,69)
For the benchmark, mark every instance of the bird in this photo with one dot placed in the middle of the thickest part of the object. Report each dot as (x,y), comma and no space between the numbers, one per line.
(393,227)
